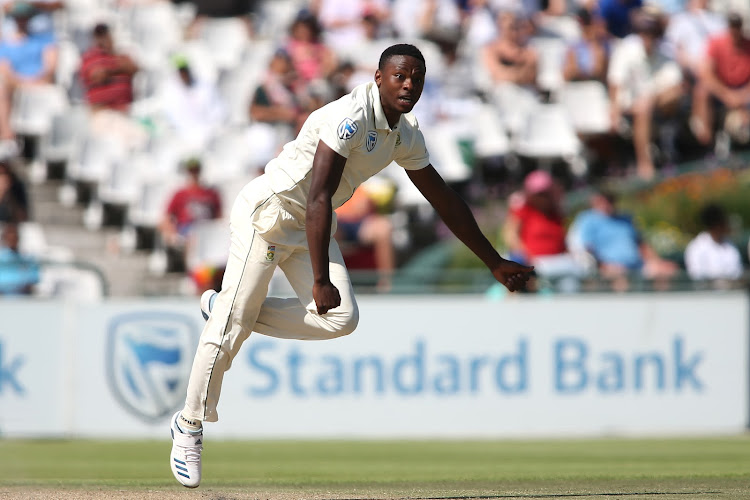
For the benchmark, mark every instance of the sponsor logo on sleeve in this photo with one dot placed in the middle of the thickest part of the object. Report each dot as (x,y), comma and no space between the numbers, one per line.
(347,129)
(372,140)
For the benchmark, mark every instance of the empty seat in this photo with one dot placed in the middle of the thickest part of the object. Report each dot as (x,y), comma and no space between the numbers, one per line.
(548,133)
(587,105)
(34,106)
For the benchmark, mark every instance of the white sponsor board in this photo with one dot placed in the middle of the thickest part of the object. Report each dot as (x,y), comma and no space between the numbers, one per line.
(417,367)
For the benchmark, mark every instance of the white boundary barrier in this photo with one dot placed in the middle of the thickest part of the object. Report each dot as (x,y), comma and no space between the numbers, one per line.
(417,367)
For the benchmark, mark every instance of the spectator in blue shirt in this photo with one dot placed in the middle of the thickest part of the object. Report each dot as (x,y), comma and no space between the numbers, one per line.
(617,15)
(18,273)
(25,59)
(612,239)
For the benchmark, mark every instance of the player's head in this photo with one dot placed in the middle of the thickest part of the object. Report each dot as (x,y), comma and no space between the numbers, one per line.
(400,78)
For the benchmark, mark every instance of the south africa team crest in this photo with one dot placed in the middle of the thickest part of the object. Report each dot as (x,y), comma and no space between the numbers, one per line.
(372,140)
(271,253)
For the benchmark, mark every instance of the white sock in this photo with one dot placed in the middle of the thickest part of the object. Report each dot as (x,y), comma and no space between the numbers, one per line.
(189,426)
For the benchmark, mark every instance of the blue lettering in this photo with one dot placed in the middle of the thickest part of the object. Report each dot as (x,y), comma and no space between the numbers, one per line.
(447,381)
(273,377)
(513,364)
(332,382)
(641,362)
(612,377)
(294,361)
(359,366)
(402,368)
(685,370)
(570,372)
(8,373)
(476,368)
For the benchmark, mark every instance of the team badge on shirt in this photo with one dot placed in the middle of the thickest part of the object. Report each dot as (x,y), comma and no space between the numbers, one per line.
(398,139)
(372,139)
(347,129)
(271,252)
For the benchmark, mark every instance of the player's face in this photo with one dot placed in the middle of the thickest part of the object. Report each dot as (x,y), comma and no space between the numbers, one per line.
(400,82)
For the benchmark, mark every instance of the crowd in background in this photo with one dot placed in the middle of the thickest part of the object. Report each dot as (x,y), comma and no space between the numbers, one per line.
(516,90)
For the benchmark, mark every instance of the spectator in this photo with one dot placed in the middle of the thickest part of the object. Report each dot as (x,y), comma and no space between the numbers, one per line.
(342,19)
(18,273)
(588,57)
(688,33)
(508,58)
(107,78)
(618,15)
(643,80)
(311,58)
(13,200)
(193,106)
(612,239)
(710,255)
(359,223)
(534,228)
(41,23)
(724,76)
(275,110)
(191,203)
(25,59)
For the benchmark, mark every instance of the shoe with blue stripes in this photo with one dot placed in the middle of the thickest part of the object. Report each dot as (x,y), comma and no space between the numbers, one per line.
(185,459)
(207,302)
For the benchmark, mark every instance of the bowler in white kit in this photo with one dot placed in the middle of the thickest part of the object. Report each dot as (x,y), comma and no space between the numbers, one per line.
(285,218)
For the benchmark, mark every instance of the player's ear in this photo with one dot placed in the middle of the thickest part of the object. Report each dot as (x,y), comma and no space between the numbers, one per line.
(378,77)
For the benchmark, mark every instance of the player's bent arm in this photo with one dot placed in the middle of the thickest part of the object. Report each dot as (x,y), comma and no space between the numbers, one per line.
(327,169)
(455,213)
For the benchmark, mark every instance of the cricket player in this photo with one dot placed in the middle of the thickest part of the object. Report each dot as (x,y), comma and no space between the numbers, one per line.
(285,218)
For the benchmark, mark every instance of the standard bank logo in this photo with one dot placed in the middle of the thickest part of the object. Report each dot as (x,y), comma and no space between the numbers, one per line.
(148,361)
(347,129)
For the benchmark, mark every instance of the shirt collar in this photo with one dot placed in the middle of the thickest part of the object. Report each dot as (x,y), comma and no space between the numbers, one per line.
(381,122)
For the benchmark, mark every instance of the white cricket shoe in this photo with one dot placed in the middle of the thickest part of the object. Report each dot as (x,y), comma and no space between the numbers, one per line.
(185,459)
(207,302)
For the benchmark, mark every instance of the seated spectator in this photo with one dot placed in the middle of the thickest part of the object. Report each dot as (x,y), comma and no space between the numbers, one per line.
(25,59)
(588,58)
(688,33)
(508,58)
(191,203)
(311,58)
(710,255)
(107,78)
(724,77)
(643,80)
(18,273)
(359,223)
(41,23)
(193,107)
(276,112)
(341,19)
(612,239)
(13,200)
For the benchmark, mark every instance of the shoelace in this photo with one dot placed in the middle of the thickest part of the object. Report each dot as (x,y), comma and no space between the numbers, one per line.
(192,453)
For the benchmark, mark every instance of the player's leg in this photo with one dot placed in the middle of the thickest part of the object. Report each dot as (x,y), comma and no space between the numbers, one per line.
(297,318)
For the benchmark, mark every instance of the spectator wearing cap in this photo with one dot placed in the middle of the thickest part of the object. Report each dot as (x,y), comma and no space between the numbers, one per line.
(40,23)
(25,59)
(710,255)
(724,77)
(534,227)
(642,79)
(193,106)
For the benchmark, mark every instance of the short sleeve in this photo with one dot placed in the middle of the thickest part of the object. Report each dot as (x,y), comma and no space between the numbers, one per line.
(343,129)
(415,155)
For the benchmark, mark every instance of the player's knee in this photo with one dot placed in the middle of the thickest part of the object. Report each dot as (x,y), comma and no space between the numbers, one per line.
(346,322)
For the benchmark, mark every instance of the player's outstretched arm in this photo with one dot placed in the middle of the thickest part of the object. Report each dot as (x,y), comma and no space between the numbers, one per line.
(326,175)
(458,217)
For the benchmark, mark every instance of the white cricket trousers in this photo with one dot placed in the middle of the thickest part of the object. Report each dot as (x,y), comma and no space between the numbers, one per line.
(263,235)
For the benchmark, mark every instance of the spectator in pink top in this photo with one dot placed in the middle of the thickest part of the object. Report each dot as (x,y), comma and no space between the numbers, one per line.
(311,58)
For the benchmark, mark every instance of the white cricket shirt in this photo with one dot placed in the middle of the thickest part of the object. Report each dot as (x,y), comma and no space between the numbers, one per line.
(355,127)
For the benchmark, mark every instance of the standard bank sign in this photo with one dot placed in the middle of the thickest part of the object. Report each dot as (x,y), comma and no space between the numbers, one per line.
(149,355)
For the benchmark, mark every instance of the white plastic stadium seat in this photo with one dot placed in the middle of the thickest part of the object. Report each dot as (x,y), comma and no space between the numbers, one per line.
(548,133)
(226,40)
(551,60)
(66,130)
(93,159)
(209,243)
(155,28)
(587,105)
(34,106)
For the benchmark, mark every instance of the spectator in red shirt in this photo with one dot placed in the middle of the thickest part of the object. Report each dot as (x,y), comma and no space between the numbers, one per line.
(535,227)
(724,76)
(107,76)
(191,203)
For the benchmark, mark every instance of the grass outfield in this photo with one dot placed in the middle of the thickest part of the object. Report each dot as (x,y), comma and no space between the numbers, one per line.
(660,469)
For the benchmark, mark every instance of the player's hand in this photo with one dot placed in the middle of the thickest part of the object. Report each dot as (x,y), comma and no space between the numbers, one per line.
(326,297)
(512,274)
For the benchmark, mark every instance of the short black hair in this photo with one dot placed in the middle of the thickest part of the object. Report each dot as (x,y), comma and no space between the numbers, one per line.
(713,215)
(400,49)
(101,29)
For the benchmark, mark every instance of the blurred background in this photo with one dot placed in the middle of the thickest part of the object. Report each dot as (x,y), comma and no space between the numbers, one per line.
(606,142)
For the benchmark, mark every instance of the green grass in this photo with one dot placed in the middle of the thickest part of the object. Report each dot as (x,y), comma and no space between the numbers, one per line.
(659,468)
